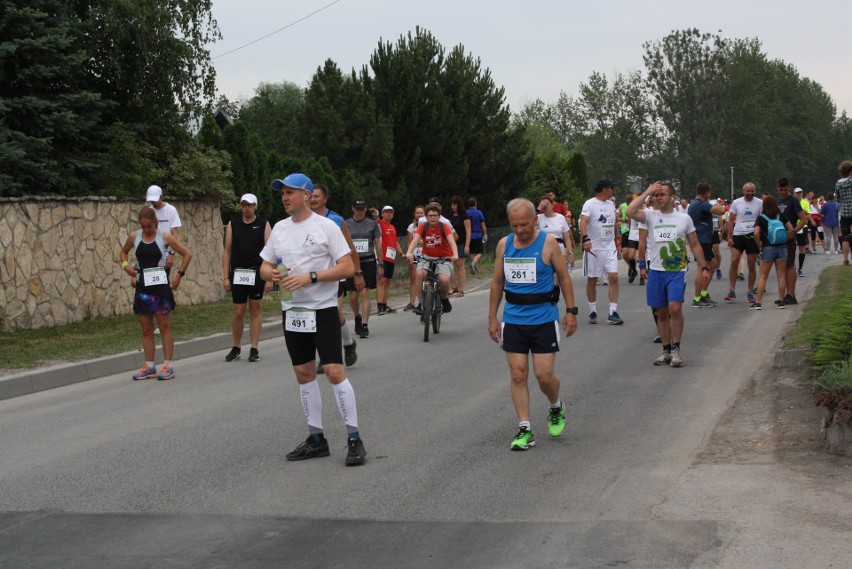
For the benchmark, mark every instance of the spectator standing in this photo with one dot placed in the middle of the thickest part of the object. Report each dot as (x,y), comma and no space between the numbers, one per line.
(771,254)
(791,207)
(478,233)
(843,194)
(831,224)
(462,228)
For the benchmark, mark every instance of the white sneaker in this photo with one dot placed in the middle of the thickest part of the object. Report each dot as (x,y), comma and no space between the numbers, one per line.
(664,359)
(676,359)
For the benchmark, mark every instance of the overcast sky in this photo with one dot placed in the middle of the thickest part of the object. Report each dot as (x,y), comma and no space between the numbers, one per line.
(534,48)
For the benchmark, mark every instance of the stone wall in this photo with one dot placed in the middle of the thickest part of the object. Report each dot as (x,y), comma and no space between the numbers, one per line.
(59,258)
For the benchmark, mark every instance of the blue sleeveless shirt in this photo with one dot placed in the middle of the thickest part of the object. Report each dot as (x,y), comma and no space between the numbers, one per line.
(516,265)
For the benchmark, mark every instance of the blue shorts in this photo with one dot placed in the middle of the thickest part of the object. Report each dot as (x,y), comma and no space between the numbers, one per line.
(772,253)
(664,287)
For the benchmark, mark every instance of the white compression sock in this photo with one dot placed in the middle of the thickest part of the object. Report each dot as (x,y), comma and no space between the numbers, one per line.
(344,394)
(311,398)
(346,334)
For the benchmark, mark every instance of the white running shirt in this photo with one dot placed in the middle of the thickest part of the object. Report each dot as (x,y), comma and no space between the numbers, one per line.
(747,213)
(600,224)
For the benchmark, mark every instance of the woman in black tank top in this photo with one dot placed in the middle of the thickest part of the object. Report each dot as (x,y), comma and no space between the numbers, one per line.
(153,296)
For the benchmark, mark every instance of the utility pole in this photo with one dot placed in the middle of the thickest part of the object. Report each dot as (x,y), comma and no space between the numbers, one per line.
(732,183)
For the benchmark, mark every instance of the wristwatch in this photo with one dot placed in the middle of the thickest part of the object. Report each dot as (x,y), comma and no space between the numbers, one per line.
(182,273)
(705,268)
(313,277)
(359,274)
(571,310)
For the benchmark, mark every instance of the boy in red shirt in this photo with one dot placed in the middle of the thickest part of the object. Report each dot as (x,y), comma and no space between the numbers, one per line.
(438,242)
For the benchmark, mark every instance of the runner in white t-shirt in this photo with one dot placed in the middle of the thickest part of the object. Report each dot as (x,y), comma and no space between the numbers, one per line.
(599,236)
(743,213)
(317,257)
(669,233)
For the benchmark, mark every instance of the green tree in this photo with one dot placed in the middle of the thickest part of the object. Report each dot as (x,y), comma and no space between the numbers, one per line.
(685,75)
(48,115)
(450,124)
(151,58)
(273,115)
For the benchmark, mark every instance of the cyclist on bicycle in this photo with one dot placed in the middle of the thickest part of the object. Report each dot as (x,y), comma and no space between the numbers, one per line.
(437,242)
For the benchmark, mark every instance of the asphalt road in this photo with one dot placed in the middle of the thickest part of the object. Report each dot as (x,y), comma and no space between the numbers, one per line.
(191,472)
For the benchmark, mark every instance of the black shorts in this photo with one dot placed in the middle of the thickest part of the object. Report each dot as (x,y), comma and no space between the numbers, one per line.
(242,293)
(632,244)
(625,241)
(535,338)
(476,246)
(708,251)
(791,253)
(716,240)
(303,347)
(368,267)
(387,269)
(845,227)
(746,244)
(802,238)
(341,289)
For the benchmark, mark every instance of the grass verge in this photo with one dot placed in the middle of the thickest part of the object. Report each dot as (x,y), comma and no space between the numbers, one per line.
(28,349)
(823,311)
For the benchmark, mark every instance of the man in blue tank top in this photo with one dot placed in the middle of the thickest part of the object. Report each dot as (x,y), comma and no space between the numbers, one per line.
(524,265)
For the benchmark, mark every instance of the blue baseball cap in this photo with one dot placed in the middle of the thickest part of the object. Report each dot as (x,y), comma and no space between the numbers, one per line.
(296,180)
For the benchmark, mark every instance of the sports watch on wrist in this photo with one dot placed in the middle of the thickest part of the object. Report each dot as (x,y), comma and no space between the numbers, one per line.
(313,277)
(571,310)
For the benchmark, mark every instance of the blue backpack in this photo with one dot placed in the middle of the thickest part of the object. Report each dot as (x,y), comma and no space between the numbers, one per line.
(776,233)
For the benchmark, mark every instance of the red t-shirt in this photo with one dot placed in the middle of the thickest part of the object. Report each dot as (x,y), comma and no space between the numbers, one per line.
(389,241)
(559,208)
(436,240)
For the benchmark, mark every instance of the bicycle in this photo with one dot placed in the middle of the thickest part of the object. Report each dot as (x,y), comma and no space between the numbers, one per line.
(431,299)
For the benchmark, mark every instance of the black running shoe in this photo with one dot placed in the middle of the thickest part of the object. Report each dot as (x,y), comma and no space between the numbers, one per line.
(789,299)
(234,354)
(309,449)
(358,323)
(350,356)
(446,307)
(254,355)
(355,453)
(364,332)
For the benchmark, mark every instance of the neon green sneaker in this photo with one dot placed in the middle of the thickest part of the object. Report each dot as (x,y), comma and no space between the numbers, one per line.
(556,421)
(523,440)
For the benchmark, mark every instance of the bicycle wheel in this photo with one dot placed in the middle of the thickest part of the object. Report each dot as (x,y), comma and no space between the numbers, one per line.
(428,301)
(436,317)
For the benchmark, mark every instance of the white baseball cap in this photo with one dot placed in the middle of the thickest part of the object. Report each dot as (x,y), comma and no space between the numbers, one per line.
(797,190)
(154,194)
(249,198)
(387,208)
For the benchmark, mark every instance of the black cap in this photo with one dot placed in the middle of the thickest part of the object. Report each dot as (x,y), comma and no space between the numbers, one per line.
(605,183)
(359,203)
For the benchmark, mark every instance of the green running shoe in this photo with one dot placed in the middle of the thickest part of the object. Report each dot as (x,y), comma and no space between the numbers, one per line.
(556,421)
(523,440)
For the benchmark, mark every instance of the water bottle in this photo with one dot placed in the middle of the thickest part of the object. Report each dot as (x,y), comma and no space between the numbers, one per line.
(282,268)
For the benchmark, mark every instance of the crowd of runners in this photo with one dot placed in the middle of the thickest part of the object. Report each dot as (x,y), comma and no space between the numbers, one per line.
(317,258)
